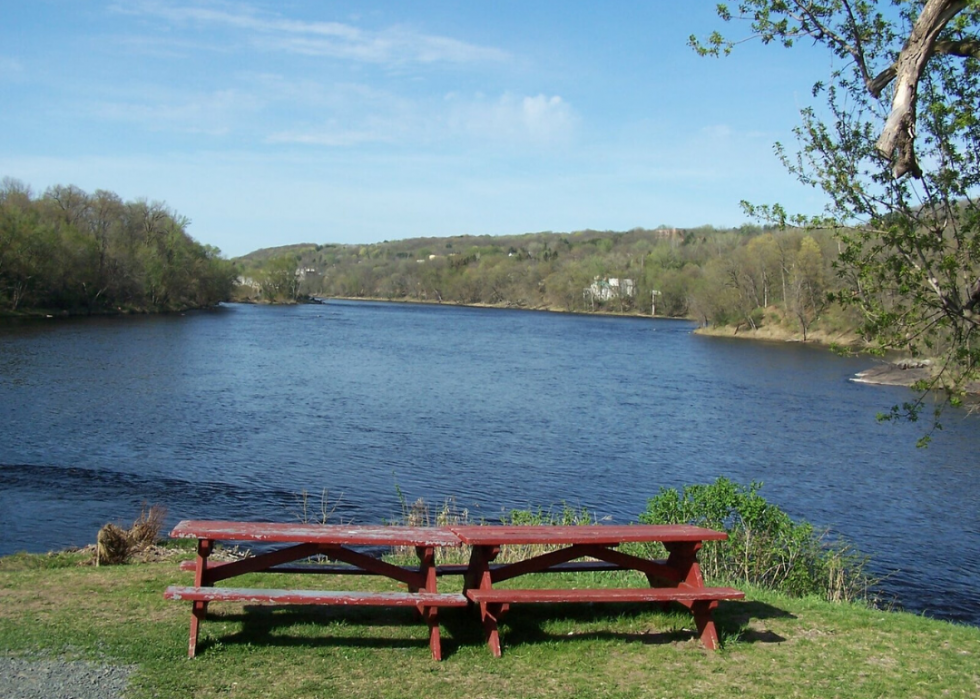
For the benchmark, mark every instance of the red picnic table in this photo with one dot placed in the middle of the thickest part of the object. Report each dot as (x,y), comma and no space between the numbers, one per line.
(303,541)
(593,548)
(676,579)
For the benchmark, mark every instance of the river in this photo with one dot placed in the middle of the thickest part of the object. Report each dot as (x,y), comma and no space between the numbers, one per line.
(232,413)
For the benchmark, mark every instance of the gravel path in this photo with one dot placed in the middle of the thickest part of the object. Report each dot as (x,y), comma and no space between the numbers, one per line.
(60,679)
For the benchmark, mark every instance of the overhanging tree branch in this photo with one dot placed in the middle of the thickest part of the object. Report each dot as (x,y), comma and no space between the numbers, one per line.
(897,140)
(963,48)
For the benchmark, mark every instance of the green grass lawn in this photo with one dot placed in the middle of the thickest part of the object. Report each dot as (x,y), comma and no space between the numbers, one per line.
(774,646)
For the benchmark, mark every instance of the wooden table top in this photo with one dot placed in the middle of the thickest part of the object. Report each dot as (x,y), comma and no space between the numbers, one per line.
(601,534)
(345,535)
(474,535)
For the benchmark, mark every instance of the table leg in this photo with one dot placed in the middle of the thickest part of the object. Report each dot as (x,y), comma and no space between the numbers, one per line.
(490,615)
(431,616)
(427,571)
(706,623)
(478,577)
(684,559)
(199,610)
(427,568)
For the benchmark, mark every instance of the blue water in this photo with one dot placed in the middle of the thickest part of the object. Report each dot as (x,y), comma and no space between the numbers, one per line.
(232,413)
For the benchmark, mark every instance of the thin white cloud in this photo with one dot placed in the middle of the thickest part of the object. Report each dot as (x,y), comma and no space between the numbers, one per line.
(725,132)
(206,113)
(718,131)
(335,135)
(392,45)
(360,116)
(166,48)
(346,114)
(538,119)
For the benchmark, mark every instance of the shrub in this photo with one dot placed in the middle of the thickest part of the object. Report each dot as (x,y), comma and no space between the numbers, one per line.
(765,547)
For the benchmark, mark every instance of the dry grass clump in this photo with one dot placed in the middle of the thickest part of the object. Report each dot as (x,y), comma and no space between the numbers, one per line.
(309,511)
(115,545)
(421,514)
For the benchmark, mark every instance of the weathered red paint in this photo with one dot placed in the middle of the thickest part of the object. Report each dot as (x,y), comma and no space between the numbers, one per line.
(678,579)
(607,535)
(324,597)
(441,570)
(307,540)
(608,594)
(342,535)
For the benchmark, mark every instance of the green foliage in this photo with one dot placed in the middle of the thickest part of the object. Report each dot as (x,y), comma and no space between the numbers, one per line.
(719,276)
(280,282)
(55,560)
(895,148)
(74,252)
(765,547)
(565,516)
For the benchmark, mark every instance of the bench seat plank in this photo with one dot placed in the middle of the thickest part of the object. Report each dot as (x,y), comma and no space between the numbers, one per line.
(324,597)
(494,602)
(628,594)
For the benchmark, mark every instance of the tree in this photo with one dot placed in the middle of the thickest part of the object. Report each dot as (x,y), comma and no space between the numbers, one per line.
(279,280)
(898,156)
(807,288)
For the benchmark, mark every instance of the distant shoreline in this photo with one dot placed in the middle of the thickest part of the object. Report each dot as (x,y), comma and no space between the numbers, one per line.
(778,333)
(503,307)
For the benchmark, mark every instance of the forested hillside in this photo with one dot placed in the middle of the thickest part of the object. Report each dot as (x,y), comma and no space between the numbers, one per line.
(747,276)
(75,252)
(69,251)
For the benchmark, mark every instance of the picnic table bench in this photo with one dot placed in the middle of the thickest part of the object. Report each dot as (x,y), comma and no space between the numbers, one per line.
(302,541)
(676,579)
(581,548)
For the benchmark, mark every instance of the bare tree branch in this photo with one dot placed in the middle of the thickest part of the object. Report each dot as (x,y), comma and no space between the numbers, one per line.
(897,140)
(964,48)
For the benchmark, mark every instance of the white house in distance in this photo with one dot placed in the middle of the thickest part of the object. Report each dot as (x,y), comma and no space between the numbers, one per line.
(602,290)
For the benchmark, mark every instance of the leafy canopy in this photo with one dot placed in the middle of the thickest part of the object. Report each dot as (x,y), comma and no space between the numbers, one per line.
(895,147)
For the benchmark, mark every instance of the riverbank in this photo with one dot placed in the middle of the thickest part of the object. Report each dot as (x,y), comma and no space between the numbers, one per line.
(895,372)
(780,333)
(115,619)
(50,314)
(504,306)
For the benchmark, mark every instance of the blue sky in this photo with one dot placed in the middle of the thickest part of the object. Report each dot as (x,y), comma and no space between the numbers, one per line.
(268,123)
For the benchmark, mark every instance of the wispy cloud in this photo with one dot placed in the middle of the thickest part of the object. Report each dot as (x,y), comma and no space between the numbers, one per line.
(377,117)
(206,113)
(537,119)
(391,45)
(717,131)
(725,132)
(337,135)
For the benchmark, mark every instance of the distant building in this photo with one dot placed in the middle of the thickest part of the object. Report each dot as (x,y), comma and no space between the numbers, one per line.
(608,289)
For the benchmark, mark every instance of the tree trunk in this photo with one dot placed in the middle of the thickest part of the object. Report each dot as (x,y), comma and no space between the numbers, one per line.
(897,140)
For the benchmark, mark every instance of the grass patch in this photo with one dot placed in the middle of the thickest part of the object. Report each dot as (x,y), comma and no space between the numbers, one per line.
(774,645)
